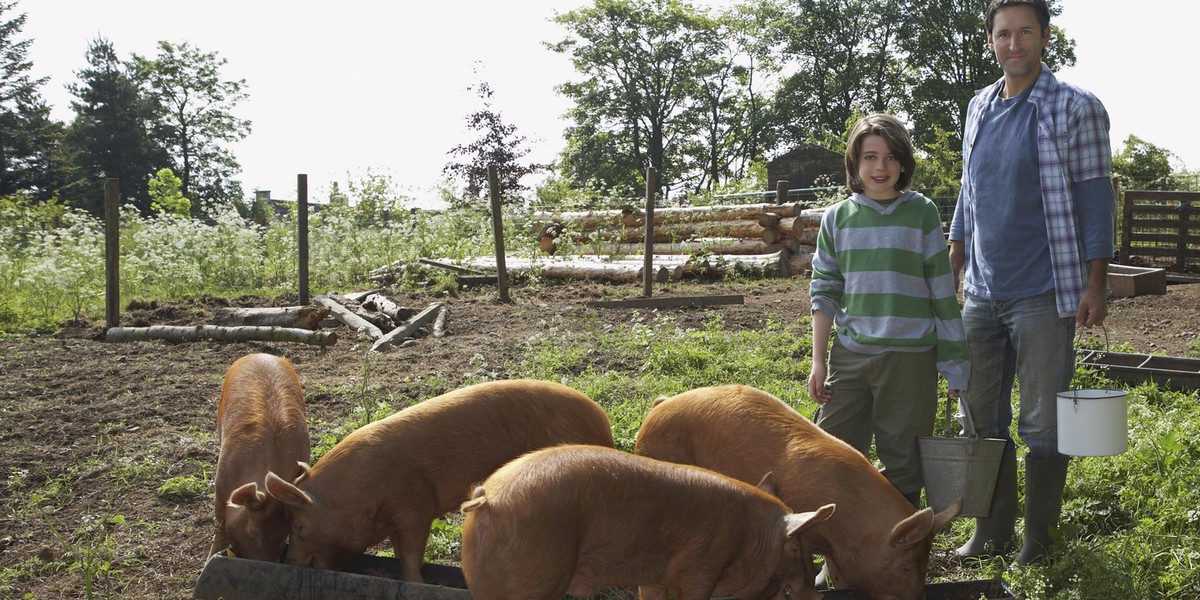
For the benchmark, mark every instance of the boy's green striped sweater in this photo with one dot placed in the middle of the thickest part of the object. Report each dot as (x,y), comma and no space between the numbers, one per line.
(883,274)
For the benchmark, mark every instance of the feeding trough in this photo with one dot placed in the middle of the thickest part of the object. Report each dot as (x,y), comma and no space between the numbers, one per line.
(375,577)
(1175,372)
(368,577)
(982,589)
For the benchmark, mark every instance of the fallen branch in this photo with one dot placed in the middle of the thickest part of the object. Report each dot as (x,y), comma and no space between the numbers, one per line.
(398,334)
(175,333)
(351,320)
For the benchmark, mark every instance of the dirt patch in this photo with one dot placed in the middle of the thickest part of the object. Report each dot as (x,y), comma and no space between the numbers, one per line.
(81,419)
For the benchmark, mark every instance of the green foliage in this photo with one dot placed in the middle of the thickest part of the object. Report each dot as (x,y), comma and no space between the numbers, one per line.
(195,119)
(626,370)
(184,488)
(53,266)
(165,195)
(1143,166)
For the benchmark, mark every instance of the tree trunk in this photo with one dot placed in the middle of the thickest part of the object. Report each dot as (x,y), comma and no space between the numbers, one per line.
(300,317)
(173,333)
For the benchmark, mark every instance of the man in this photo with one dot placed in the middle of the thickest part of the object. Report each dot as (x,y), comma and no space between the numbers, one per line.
(1033,229)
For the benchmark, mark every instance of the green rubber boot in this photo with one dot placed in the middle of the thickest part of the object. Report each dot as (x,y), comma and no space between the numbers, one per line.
(993,533)
(1044,482)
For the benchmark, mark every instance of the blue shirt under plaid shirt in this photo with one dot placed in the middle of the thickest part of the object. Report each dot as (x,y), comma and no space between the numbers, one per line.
(1073,146)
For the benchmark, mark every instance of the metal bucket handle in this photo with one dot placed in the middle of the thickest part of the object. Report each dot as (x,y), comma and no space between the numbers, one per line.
(963,417)
(1075,397)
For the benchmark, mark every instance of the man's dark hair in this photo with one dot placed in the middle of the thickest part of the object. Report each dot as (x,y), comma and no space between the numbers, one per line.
(1039,7)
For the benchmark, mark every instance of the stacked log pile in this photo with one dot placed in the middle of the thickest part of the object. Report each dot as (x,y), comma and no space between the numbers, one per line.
(370,314)
(702,241)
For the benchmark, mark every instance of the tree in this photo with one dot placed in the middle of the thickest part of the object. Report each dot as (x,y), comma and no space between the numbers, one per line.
(945,43)
(196,119)
(1143,166)
(110,136)
(498,145)
(844,61)
(640,62)
(165,194)
(30,141)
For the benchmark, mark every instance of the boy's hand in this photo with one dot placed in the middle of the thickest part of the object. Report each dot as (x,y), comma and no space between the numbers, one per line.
(816,385)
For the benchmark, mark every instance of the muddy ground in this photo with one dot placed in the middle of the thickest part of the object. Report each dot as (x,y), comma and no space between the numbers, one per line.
(90,430)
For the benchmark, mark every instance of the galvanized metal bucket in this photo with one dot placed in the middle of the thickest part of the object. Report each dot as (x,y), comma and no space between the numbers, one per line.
(960,468)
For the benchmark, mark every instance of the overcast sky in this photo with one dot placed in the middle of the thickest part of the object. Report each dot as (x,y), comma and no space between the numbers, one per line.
(339,88)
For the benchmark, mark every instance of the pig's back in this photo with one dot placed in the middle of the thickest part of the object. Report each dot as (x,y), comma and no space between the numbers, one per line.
(744,432)
(459,438)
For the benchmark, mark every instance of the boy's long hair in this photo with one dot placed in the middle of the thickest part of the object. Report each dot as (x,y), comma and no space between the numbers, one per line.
(893,132)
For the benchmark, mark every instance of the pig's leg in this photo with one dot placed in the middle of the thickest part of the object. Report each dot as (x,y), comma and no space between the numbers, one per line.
(696,590)
(652,592)
(408,541)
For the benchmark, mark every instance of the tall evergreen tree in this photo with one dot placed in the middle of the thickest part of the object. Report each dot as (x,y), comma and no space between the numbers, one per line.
(196,120)
(30,156)
(110,134)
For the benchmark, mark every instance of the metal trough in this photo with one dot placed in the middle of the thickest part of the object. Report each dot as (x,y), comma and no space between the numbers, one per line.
(376,578)
(367,578)
(982,589)
(1173,372)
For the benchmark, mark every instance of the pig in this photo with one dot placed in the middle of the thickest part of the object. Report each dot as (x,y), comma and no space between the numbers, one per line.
(260,428)
(575,519)
(391,478)
(875,543)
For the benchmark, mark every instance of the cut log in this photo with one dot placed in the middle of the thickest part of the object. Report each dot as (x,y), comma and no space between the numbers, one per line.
(385,305)
(546,223)
(172,333)
(299,317)
(348,318)
(409,329)
(439,324)
(673,232)
(696,246)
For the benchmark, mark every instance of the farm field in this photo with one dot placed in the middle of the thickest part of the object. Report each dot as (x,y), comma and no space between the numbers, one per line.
(106,449)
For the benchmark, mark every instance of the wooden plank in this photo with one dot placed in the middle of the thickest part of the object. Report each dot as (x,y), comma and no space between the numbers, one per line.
(675,302)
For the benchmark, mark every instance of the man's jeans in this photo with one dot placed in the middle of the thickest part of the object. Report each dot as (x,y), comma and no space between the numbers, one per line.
(1025,339)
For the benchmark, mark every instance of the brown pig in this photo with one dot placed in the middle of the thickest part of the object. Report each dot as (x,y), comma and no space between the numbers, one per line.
(577,519)
(390,479)
(260,428)
(875,543)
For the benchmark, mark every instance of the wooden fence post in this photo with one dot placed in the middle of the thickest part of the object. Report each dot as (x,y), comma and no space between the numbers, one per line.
(112,251)
(781,191)
(302,235)
(648,259)
(498,232)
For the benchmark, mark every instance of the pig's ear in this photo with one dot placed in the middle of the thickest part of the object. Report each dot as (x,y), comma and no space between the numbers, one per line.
(767,484)
(286,492)
(304,472)
(913,530)
(798,522)
(943,518)
(248,495)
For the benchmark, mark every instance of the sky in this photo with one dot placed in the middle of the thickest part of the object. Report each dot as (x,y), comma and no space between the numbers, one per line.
(337,90)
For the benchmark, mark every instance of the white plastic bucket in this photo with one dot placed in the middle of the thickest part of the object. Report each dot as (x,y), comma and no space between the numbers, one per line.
(1093,422)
